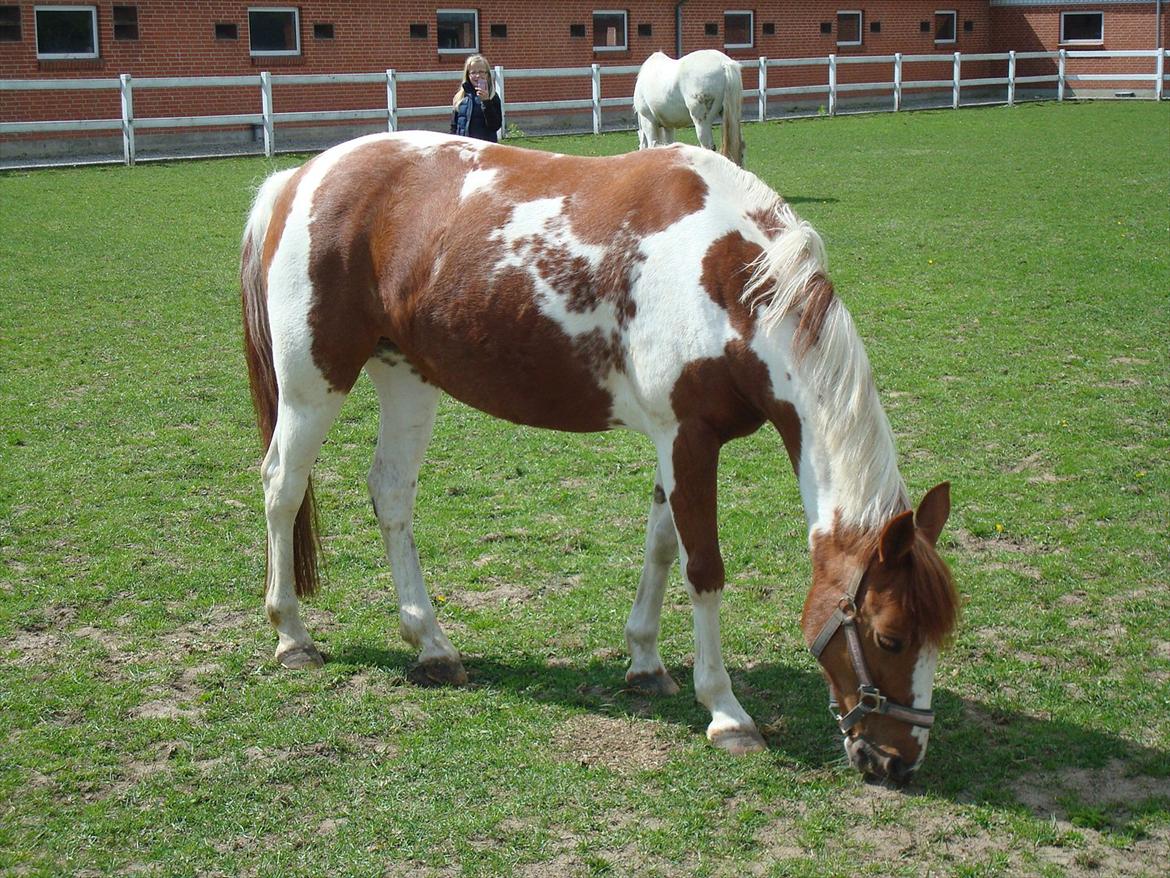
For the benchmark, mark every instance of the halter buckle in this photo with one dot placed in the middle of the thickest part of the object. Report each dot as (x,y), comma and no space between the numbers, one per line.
(870,699)
(847,607)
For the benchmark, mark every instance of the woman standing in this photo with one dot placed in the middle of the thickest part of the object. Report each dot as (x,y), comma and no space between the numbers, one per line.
(477,106)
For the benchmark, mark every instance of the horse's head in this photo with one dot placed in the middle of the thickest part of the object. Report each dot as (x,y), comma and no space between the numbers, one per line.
(880,606)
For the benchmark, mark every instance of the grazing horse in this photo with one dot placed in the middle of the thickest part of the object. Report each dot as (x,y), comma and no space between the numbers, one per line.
(695,90)
(664,291)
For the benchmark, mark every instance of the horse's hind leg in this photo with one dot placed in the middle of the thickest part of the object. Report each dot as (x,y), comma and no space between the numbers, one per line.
(407,406)
(647,673)
(303,418)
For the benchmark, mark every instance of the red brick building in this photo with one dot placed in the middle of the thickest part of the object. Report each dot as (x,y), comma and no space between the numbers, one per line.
(40,39)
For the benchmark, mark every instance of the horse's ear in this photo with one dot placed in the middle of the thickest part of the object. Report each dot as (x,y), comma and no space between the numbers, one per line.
(897,539)
(933,511)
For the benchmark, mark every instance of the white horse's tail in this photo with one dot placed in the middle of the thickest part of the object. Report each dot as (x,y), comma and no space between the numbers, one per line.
(732,113)
(262,371)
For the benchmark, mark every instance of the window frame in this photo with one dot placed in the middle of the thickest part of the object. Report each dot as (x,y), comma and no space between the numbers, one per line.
(1099,41)
(625,45)
(954,27)
(860,27)
(475,32)
(751,16)
(65,56)
(275,53)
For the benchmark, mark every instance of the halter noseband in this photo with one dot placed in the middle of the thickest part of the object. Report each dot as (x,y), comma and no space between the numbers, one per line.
(869,697)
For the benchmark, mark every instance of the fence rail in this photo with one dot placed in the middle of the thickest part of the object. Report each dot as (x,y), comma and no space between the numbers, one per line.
(267,118)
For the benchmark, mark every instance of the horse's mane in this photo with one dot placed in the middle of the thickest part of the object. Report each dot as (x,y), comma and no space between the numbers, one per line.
(793,298)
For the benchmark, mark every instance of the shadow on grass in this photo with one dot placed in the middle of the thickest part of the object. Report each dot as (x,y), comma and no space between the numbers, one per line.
(808,199)
(978,753)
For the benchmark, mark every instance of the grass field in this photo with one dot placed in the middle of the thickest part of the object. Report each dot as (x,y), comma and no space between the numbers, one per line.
(1009,270)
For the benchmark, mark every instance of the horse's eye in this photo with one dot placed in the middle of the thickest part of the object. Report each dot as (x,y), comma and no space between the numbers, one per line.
(889,644)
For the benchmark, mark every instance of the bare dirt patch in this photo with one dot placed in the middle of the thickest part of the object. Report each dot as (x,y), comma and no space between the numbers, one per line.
(497,596)
(621,745)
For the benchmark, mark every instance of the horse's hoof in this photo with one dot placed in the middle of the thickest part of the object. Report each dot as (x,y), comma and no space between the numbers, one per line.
(652,684)
(301,657)
(738,742)
(438,672)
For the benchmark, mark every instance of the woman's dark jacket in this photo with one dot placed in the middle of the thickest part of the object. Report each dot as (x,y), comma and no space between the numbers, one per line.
(476,118)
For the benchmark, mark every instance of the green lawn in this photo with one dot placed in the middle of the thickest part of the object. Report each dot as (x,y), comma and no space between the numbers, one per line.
(1009,270)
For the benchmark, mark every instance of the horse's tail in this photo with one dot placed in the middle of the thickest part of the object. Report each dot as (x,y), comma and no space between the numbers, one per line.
(732,113)
(262,371)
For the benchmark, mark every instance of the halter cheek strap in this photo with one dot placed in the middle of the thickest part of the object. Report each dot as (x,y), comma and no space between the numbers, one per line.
(869,697)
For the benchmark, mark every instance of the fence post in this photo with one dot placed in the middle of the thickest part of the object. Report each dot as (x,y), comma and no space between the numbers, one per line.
(1160,71)
(266,109)
(762,82)
(1011,97)
(391,100)
(1060,59)
(955,95)
(127,119)
(897,81)
(500,94)
(832,84)
(596,77)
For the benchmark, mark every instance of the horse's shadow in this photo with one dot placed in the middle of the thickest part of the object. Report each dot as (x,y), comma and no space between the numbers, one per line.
(978,752)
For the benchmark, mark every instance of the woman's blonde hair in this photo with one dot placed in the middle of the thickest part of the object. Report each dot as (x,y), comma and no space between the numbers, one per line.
(474,59)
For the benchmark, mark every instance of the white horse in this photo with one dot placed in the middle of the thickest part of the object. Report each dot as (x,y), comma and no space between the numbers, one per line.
(695,90)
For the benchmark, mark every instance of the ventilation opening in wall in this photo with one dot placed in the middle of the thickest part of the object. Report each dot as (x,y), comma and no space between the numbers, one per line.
(224,31)
(323,31)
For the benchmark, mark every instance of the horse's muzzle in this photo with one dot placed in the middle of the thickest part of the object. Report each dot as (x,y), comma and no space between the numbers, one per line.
(876,764)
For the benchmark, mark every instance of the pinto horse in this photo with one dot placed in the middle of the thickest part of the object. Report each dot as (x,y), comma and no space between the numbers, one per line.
(665,291)
(695,90)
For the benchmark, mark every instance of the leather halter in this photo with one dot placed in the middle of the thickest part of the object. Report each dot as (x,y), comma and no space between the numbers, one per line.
(869,697)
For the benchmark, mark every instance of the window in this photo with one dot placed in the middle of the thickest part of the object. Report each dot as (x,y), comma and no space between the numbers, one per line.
(9,24)
(226,31)
(968,26)
(849,28)
(769,28)
(274,30)
(609,30)
(645,30)
(711,29)
(875,27)
(739,29)
(826,27)
(1082,27)
(458,30)
(66,31)
(499,31)
(944,27)
(418,31)
(125,22)
(322,31)
(576,30)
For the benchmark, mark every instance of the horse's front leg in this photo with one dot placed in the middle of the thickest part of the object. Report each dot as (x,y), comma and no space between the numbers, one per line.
(647,673)
(688,468)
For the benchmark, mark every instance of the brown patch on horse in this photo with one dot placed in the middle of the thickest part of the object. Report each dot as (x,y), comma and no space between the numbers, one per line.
(818,297)
(727,266)
(767,221)
(280,210)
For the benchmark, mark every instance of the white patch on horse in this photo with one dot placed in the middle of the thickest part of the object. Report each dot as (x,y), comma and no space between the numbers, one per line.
(477,181)
(921,693)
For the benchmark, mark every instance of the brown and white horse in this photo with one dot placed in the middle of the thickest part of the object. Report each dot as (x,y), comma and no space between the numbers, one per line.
(664,291)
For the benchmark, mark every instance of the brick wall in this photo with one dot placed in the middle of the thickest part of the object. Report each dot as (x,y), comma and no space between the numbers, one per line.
(1037,29)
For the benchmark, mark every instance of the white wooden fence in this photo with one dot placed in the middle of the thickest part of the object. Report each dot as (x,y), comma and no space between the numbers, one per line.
(393,113)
